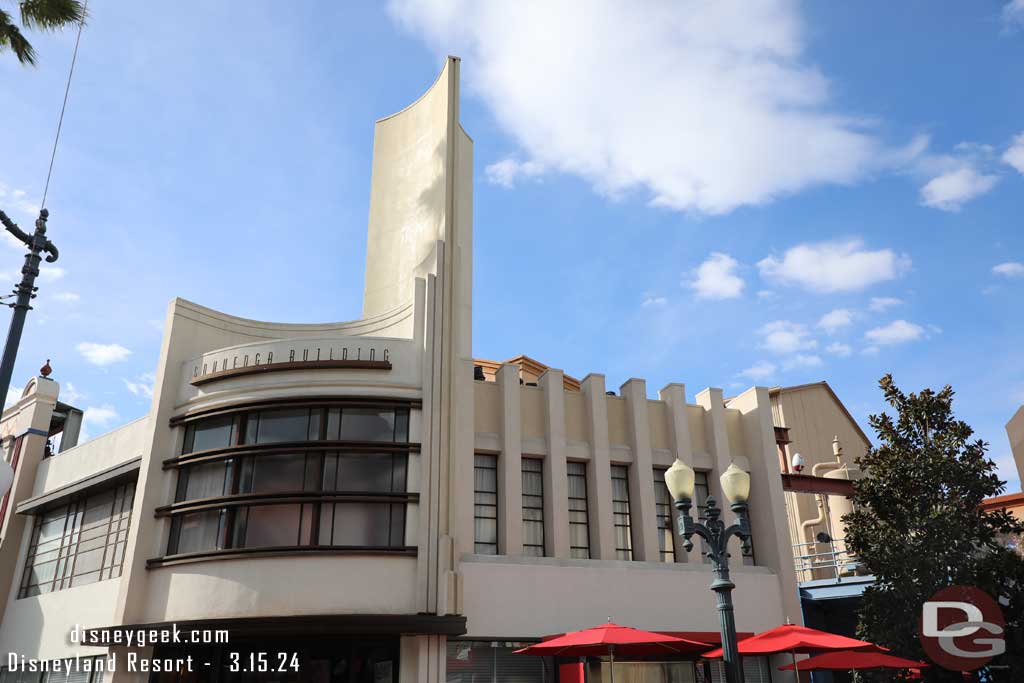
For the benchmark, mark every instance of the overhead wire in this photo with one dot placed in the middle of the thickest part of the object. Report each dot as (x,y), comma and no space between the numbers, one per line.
(64,106)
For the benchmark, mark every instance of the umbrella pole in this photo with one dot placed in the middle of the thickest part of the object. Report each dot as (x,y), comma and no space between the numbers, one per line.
(611,670)
(796,668)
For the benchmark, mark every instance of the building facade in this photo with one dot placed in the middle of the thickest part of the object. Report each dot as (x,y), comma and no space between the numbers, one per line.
(364,500)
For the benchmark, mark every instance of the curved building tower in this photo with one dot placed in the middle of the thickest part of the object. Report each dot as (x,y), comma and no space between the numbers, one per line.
(356,503)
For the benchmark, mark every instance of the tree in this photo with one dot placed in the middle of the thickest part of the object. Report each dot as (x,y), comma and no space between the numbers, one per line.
(918,526)
(46,15)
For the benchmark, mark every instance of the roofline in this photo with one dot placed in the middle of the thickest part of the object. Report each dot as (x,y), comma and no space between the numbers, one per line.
(1007,499)
(832,393)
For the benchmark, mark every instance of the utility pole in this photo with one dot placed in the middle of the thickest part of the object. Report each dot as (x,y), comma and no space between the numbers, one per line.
(25,290)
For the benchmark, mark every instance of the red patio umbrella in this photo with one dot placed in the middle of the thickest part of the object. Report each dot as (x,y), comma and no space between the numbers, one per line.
(795,640)
(847,660)
(609,639)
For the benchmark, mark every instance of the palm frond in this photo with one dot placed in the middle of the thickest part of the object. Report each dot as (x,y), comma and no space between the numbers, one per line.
(51,14)
(11,38)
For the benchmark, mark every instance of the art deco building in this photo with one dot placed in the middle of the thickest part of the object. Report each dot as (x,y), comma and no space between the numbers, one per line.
(359,496)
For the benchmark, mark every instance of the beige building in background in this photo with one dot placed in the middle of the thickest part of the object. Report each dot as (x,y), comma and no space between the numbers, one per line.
(1015,432)
(368,498)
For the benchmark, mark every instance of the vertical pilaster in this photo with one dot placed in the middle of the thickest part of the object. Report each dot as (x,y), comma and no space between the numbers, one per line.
(713,402)
(642,507)
(599,473)
(556,483)
(25,426)
(674,396)
(772,542)
(510,473)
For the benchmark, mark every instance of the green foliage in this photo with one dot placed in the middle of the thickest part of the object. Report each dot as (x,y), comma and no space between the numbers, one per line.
(46,15)
(917,525)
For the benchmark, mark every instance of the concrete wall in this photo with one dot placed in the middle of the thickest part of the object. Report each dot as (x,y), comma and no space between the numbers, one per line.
(408,197)
(125,443)
(639,432)
(23,429)
(276,586)
(644,595)
(814,418)
(1015,432)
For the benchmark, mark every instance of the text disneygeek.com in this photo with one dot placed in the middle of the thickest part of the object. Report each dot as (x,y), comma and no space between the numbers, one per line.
(144,662)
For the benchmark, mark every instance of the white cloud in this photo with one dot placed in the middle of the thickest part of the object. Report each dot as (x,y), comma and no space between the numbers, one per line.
(702,106)
(882,303)
(835,320)
(765,294)
(869,350)
(652,300)
(69,394)
(51,273)
(13,396)
(952,189)
(17,199)
(758,371)
(66,296)
(716,278)
(896,332)
(839,349)
(508,171)
(801,360)
(97,417)
(1013,16)
(1009,269)
(1014,154)
(142,386)
(103,354)
(841,266)
(783,336)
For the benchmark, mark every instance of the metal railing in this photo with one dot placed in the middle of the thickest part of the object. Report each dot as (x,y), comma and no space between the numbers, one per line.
(825,560)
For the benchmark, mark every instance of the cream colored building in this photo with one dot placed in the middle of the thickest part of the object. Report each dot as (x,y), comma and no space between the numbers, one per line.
(348,492)
(1015,432)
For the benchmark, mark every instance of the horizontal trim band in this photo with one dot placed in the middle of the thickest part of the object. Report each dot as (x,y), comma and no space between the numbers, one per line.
(297,497)
(276,551)
(290,447)
(116,474)
(297,402)
(292,365)
(312,625)
(805,483)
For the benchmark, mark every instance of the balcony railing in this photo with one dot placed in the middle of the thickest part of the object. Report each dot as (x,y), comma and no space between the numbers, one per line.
(825,560)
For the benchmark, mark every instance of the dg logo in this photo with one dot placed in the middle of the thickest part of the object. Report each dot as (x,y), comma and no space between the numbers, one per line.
(962,628)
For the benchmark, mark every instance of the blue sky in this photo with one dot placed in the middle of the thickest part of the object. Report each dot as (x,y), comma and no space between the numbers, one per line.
(717,193)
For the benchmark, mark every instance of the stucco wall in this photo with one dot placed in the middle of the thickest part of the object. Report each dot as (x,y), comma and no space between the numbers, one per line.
(282,586)
(108,450)
(514,599)
(408,197)
(1015,432)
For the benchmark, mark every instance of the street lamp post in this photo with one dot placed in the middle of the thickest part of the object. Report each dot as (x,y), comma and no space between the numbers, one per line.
(25,290)
(736,487)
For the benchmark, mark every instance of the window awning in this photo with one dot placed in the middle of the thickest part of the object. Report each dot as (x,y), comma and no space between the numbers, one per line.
(58,496)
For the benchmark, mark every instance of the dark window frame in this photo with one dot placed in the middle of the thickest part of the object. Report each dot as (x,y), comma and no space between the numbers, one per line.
(314,498)
(582,508)
(621,511)
(485,461)
(70,544)
(663,517)
(534,549)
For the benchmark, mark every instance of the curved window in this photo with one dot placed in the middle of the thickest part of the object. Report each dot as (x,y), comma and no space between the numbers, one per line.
(301,478)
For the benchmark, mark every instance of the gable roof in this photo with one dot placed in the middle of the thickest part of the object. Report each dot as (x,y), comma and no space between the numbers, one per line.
(530,367)
(824,385)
